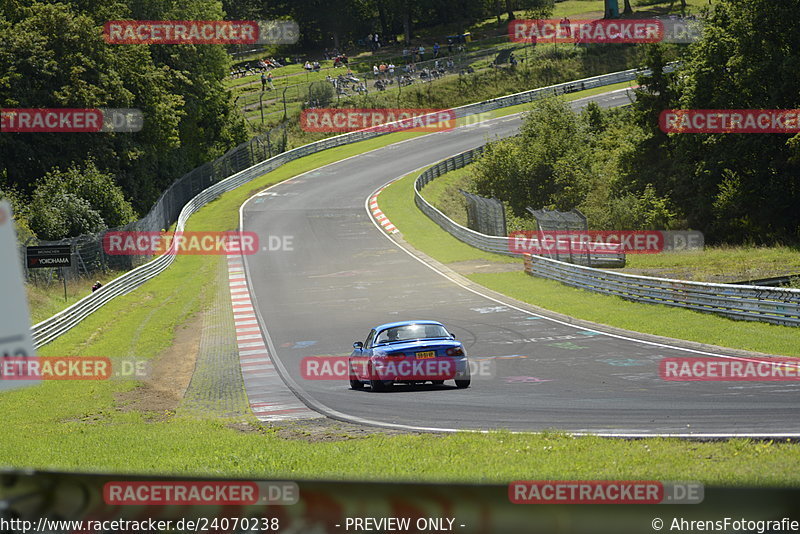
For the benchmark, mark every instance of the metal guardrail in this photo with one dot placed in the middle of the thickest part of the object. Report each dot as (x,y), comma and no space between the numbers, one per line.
(488,243)
(49,329)
(750,303)
(774,281)
(88,254)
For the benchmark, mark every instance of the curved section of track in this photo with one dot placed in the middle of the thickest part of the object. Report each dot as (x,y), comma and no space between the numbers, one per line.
(343,275)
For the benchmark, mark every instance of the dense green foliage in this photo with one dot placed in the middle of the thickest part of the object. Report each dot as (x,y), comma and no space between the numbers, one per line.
(563,160)
(735,187)
(54,55)
(335,24)
(78,200)
(623,172)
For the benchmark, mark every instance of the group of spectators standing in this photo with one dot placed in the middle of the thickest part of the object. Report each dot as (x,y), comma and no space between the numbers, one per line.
(266,78)
(374,41)
(383,69)
(418,53)
(411,55)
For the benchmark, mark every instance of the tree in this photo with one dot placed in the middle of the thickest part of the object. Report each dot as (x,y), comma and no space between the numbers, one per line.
(734,187)
(546,166)
(78,200)
(53,55)
(628,10)
(64,215)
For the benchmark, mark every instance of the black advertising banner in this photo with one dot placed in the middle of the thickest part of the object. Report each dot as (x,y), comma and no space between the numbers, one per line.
(49,256)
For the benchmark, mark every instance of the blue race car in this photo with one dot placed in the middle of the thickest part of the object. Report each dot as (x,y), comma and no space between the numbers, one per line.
(410,352)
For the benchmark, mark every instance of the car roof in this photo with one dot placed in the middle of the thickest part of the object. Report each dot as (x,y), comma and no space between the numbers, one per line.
(405,323)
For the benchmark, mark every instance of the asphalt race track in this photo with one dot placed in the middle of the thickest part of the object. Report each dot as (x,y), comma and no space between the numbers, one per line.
(345,275)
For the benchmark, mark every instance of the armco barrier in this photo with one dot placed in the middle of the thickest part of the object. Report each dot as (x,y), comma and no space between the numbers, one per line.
(51,328)
(488,243)
(750,303)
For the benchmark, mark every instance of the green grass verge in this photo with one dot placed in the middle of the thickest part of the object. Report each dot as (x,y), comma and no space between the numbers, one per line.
(46,299)
(640,7)
(723,262)
(209,448)
(78,426)
(422,233)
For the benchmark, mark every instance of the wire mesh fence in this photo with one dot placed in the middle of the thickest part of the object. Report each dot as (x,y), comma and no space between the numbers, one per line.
(485,215)
(268,101)
(88,254)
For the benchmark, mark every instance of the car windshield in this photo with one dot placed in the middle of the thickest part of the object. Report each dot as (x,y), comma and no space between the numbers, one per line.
(411,332)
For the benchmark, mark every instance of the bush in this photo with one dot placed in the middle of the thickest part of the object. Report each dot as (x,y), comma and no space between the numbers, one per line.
(20,212)
(76,201)
(547,166)
(64,215)
(320,94)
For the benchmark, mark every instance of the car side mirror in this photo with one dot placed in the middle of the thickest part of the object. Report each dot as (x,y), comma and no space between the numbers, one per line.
(452,336)
(358,345)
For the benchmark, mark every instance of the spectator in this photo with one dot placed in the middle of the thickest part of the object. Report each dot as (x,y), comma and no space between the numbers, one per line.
(371,42)
(566,29)
(390,66)
(421,51)
(307,66)
(264,82)
(97,285)
(269,81)
(436,50)
(375,70)
(377,41)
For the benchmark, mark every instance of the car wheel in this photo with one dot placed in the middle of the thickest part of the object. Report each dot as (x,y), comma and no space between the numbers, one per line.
(376,384)
(462,383)
(356,384)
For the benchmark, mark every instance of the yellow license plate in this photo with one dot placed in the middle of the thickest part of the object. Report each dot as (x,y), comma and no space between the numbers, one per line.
(425,355)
